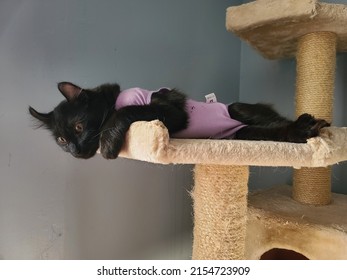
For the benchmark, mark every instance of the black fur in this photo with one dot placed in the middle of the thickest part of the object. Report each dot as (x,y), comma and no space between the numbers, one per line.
(264,123)
(87,119)
(168,108)
(102,124)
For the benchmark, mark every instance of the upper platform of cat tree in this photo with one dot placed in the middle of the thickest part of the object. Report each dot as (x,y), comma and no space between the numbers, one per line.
(273,26)
(150,141)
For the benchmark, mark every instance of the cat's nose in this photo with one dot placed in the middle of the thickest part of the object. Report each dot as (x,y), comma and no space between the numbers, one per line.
(84,155)
(76,155)
(74,150)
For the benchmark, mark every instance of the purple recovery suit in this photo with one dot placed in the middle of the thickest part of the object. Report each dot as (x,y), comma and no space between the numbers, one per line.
(206,120)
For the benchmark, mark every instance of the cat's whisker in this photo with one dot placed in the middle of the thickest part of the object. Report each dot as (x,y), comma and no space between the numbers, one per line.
(101,132)
(103,119)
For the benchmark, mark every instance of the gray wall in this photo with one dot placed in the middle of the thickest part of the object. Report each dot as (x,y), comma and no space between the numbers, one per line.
(53,206)
(273,82)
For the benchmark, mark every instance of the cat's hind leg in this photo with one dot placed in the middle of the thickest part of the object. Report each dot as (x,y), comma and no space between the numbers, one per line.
(305,127)
(257,114)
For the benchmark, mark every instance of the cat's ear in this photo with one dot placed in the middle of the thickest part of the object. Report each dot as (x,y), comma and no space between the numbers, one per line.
(45,119)
(69,90)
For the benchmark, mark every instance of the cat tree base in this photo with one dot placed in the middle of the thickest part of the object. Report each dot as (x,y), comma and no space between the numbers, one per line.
(276,222)
(220,193)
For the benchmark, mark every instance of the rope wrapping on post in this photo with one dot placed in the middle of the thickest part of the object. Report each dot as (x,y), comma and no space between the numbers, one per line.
(220,211)
(316,60)
(312,185)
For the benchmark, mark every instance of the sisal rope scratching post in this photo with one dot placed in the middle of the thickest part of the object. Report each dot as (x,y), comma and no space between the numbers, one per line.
(316,60)
(220,211)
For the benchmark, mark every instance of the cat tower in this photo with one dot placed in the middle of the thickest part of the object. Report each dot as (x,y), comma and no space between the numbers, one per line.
(309,220)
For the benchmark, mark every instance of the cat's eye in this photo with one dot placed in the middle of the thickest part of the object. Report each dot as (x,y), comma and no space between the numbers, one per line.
(78,127)
(62,140)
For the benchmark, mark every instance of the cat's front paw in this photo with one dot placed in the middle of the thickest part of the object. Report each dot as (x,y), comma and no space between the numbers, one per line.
(305,127)
(109,148)
(109,153)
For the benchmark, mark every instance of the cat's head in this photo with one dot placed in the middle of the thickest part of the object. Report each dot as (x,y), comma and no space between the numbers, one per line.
(77,121)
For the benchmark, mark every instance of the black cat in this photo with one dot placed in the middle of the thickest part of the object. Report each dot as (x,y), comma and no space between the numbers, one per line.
(90,118)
